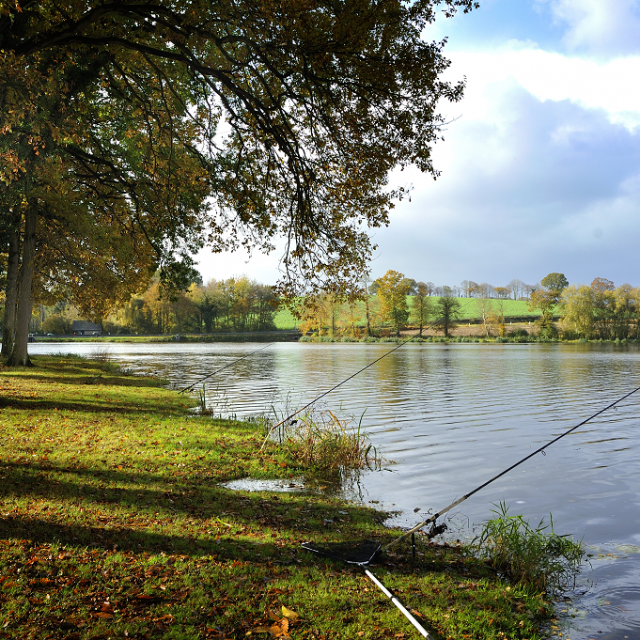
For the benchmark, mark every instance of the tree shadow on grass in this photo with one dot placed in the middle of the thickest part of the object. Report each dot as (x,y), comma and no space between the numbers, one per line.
(41,531)
(95,379)
(93,490)
(221,547)
(227,561)
(107,406)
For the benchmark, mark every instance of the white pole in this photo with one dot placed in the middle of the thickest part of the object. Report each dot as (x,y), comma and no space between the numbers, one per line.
(398,604)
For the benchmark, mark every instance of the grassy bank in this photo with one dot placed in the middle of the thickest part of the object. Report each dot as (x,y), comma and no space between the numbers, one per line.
(247,336)
(113,524)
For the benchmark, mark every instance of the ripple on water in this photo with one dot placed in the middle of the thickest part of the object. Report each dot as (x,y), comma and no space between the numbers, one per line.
(611,606)
(620,604)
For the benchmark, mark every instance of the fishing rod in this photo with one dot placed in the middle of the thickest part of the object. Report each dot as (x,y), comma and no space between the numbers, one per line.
(225,367)
(326,393)
(435,516)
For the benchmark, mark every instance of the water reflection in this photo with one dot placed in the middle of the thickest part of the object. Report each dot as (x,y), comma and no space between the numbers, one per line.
(451,417)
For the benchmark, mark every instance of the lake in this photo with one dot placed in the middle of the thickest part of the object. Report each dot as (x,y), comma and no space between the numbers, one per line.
(446,418)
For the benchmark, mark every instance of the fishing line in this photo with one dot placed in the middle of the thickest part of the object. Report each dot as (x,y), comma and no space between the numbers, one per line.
(435,516)
(322,395)
(225,366)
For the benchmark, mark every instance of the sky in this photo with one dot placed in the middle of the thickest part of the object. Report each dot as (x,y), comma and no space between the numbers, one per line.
(541,160)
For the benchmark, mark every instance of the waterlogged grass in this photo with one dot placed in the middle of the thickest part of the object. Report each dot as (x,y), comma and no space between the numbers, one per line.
(321,441)
(113,524)
(536,557)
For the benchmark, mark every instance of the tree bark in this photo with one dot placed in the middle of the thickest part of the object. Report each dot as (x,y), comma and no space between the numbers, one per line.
(9,324)
(19,356)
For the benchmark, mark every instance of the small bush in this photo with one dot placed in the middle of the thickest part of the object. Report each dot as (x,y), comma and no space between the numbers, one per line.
(547,334)
(534,557)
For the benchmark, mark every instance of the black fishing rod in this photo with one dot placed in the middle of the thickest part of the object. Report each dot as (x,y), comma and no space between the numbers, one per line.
(225,367)
(326,393)
(435,516)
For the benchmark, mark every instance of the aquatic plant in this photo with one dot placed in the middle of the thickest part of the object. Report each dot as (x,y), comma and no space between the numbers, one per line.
(320,440)
(101,354)
(535,557)
(202,398)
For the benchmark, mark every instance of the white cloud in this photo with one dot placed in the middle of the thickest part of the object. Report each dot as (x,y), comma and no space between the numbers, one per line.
(258,266)
(610,86)
(610,27)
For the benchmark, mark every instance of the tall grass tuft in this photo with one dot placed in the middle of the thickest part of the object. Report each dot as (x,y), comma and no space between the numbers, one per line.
(324,442)
(202,398)
(101,354)
(534,557)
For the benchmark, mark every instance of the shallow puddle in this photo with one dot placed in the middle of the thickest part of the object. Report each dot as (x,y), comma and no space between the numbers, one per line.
(280,486)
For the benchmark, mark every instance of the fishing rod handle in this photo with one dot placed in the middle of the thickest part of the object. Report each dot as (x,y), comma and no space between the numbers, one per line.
(400,606)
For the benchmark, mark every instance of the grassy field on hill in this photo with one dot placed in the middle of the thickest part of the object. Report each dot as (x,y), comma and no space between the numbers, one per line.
(284,319)
(468,310)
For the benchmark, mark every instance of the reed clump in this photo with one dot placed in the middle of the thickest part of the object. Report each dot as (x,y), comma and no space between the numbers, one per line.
(534,557)
(320,440)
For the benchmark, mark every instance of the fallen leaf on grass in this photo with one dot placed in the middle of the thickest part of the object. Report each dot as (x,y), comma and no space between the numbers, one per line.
(288,613)
(147,598)
(275,631)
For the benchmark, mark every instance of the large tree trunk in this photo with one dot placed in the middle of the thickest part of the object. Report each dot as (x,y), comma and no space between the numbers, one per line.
(19,356)
(9,325)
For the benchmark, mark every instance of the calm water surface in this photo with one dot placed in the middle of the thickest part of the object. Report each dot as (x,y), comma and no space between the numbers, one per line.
(452,416)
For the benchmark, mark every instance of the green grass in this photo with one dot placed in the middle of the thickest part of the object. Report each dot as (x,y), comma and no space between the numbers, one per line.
(512,308)
(284,319)
(113,524)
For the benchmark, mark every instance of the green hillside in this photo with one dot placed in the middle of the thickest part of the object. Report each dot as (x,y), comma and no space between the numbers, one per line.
(512,308)
(284,319)
(468,310)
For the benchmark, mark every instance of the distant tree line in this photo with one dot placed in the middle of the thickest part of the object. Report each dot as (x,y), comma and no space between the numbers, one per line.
(395,302)
(236,304)
(514,290)
(389,304)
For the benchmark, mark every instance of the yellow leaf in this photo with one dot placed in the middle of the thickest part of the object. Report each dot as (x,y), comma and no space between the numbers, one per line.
(291,615)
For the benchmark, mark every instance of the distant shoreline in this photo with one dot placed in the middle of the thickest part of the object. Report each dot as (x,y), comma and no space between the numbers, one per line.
(462,335)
